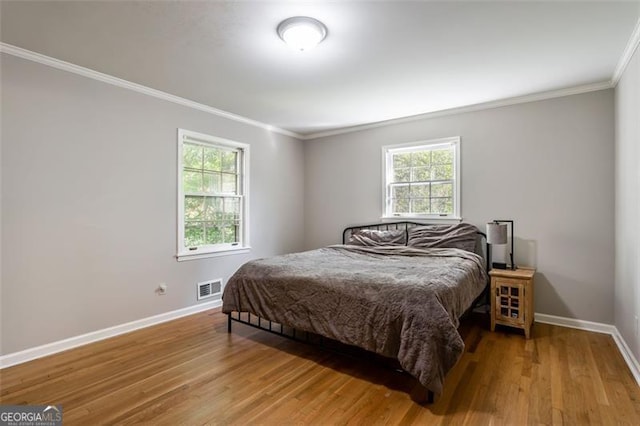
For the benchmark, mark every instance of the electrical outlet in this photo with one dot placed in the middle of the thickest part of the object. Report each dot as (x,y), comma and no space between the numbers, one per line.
(162,289)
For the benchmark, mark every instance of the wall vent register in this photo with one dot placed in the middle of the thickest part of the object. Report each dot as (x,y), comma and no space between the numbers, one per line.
(209,289)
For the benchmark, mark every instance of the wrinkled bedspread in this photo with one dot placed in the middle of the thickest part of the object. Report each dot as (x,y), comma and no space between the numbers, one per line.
(399,302)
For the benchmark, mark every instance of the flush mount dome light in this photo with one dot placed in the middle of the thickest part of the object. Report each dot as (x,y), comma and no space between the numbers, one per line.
(302,32)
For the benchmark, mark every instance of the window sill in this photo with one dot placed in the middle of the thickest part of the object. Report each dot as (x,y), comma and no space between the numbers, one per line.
(181,257)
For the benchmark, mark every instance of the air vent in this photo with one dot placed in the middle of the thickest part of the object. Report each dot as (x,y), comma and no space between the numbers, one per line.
(209,288)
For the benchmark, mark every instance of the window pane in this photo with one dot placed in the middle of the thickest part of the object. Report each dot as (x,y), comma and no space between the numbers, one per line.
(421,174)
(442,190)
(442,172)
(231,208)
(420,191)
(402,175)
(228,183)
(213,208)
(193,234)
(443,156)
(232,205)
(213,233)
(441,206)
(230,233)
(401,205)
(421,159)
(420,205)
(401,160)
(212,160)
(192,156)
(400,191)
(229,161)
(193,208)
(212,182)
(192,181)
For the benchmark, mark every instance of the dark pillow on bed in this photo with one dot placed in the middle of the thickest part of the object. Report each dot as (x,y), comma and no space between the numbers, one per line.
(460,236)
(373,237)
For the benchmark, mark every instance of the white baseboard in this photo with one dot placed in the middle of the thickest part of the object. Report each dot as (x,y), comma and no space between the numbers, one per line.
(84,339)
(628,356)
(597,327)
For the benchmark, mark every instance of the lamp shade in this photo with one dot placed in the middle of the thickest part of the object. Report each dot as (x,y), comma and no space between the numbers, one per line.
(496,233)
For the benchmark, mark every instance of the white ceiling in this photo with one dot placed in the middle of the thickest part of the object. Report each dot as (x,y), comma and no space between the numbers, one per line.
(381,60)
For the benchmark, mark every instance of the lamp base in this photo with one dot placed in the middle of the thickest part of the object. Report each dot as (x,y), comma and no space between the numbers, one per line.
(496,265)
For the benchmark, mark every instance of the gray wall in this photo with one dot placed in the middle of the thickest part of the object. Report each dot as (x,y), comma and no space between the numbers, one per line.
(627,268)
(89,198)
(89,204)
(547,165)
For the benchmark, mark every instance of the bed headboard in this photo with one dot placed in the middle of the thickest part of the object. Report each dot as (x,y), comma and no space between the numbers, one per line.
(481,249)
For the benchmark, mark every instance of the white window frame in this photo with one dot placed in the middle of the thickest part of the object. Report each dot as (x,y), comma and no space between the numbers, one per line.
(387,177)
(212,250)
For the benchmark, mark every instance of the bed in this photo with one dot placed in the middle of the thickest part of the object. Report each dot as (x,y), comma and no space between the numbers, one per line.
(395,289)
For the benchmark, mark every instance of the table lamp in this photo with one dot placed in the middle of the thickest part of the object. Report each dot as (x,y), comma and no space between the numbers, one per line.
(497,234)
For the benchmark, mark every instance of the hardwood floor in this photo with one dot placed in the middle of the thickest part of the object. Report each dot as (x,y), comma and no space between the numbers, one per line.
(190,371)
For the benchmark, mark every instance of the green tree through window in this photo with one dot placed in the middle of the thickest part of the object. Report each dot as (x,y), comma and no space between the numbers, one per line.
(211,205)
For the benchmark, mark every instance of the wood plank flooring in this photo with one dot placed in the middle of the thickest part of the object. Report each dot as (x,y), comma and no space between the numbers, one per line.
(190,371)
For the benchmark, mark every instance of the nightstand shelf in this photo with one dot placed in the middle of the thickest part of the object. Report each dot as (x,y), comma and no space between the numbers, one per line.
(512,298)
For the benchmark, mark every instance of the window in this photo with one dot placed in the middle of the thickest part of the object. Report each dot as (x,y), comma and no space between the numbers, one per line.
(422,179)
(212,196)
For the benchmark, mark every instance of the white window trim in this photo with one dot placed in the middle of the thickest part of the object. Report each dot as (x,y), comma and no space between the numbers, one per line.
(414,146)
(218,249)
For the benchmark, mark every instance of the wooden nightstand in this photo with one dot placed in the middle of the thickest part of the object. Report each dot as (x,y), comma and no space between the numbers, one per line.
(512,298)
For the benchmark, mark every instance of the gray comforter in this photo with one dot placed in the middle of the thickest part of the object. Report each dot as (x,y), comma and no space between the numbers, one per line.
(399,302)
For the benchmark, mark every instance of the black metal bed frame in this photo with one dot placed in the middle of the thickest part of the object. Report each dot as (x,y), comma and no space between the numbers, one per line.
(273,327)
(260,323)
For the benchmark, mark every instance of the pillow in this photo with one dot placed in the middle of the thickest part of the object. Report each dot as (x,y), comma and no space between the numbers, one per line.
(461,236)
(373,237)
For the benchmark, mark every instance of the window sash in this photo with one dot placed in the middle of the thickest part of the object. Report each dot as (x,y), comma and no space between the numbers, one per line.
(204,208)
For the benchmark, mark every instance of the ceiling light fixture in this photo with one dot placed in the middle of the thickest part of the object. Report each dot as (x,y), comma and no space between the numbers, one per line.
(302,32)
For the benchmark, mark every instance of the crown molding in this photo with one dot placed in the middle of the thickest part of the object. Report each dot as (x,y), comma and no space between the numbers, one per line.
(115,81)
(470,108)
(632,45)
